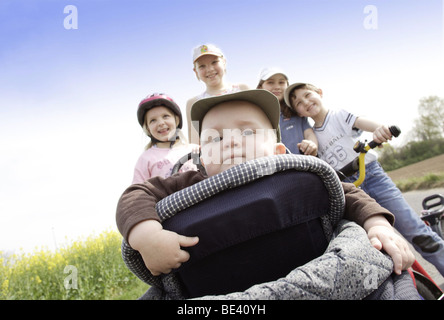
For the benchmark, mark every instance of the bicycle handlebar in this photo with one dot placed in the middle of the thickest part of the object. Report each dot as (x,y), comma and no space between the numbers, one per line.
(427,203)
(394,130)
(433,212)
(358,163)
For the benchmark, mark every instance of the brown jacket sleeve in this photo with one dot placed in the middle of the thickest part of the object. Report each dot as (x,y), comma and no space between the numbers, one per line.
(359,206)
(138,202)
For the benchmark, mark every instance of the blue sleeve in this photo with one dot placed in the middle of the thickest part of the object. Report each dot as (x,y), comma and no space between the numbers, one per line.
(305,124)
(292,132)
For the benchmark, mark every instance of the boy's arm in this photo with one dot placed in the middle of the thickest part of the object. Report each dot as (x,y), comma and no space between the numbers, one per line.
(309,146)
(381,133)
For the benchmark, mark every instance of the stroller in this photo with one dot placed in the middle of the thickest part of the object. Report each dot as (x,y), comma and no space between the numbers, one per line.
(270,228)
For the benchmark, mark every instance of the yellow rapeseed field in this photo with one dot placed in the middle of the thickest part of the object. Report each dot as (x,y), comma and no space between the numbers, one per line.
(87,269)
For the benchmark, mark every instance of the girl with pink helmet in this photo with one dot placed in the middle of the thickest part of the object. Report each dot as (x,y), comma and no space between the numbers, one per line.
(161,120)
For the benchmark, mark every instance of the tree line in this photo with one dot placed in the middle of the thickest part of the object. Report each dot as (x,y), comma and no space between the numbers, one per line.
(426,139)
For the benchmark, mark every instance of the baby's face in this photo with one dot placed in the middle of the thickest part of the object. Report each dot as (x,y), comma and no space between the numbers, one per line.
(234,132)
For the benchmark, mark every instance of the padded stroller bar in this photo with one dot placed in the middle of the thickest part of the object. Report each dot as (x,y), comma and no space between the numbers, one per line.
(318,189)
(250,171)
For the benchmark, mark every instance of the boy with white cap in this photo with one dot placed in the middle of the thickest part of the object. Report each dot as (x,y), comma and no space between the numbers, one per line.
(337,131)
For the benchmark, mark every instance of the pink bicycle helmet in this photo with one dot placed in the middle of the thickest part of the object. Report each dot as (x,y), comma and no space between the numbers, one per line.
(156,100)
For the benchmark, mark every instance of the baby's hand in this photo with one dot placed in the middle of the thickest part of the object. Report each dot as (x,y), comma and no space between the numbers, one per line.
(165,253)
(385,237)
(308,147)
(160,249)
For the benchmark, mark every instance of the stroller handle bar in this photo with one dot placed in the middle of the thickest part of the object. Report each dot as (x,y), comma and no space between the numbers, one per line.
(190,156)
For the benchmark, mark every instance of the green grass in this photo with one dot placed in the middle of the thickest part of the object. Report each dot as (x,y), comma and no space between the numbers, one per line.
(87,269)
(428,181)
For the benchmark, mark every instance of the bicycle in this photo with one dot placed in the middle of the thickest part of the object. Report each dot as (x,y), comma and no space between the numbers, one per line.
(433,213)
(430,215)
(358,164)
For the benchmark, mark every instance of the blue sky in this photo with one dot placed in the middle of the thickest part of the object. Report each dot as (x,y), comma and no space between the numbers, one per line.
(68,130)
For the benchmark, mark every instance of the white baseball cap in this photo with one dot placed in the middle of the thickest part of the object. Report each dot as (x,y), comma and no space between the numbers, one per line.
(267,73)
(289,90)
(206,49)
